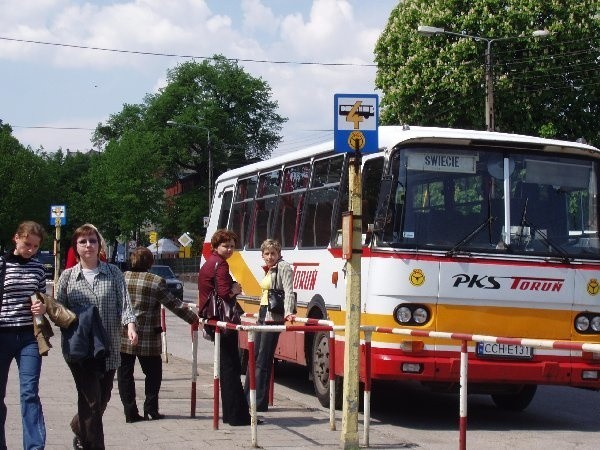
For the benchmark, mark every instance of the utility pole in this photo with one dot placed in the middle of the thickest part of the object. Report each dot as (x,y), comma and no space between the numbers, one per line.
(352,333)
(489,88)
(355,132)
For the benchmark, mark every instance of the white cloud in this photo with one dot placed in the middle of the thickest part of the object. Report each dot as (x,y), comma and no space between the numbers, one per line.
(326,31)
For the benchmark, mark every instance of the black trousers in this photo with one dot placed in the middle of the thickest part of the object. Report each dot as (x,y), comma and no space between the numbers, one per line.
(235,406)
(93,394)
(152,368)
(265,344)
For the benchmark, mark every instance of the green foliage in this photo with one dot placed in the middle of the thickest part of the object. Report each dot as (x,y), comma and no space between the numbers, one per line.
(218,109)
(23,191)
(542,86)
(126,187)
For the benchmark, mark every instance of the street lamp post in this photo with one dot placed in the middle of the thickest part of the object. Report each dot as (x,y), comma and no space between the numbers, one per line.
(489,81)
(210,156)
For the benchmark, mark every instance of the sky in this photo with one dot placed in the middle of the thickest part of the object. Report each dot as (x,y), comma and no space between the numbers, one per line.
(54,96)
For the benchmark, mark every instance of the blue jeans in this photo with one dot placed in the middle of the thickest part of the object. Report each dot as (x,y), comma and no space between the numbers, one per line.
(22,346)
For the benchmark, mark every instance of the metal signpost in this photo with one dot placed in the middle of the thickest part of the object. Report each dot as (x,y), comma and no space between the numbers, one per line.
(58,217)
(355,127)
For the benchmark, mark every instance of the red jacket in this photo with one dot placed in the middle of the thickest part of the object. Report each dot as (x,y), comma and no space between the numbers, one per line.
(207,274)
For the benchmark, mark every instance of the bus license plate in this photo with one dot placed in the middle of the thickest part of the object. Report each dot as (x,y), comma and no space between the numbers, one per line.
(495,350)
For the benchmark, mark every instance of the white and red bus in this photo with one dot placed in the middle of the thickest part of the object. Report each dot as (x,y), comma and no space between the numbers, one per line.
(472,232)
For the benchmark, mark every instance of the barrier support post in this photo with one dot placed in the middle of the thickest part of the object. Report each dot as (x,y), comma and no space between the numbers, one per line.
(216,377)
(194,368)
(163,334)
(251,372)
(367,393)
(272,383)
(464,365)
(332,380)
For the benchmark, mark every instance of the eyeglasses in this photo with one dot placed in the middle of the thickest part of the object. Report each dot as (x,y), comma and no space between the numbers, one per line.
(87,241)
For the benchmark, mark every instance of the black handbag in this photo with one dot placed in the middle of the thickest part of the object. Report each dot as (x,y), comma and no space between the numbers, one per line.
(276,297)
(217,308)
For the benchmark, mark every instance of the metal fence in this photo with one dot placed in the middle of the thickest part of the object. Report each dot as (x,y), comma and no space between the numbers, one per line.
(186,269)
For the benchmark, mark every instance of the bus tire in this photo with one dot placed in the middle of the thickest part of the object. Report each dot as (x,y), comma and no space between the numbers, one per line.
(320,371)
(515,401)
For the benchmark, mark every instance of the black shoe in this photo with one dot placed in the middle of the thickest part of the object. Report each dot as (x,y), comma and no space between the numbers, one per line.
(77,445)
(134,418)
(153,416)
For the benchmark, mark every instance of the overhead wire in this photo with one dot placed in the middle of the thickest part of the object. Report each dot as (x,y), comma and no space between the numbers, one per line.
(175,55)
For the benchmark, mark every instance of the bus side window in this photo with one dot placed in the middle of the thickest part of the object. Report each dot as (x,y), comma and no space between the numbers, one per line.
(295,182)
(321,201)
(243,206)
(225,209)
(263,220)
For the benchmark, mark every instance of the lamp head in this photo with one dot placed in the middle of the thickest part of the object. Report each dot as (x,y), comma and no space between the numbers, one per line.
(540,33)
(426,30)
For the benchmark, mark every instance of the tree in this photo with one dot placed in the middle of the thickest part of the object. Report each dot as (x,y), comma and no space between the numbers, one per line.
(24,190)
(217,109)
(125,185)
(546,87)
(68,184)
(216,98)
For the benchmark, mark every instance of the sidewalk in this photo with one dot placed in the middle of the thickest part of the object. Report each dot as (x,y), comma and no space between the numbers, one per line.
(288,424)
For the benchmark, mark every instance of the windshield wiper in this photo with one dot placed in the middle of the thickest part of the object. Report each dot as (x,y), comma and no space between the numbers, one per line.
(536,230)
(561,251)
(469,237)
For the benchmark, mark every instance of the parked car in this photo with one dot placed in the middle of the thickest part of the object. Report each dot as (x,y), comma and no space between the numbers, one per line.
(174,285)
(47,259)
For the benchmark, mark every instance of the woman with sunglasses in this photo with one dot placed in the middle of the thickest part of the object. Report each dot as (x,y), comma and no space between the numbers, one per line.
(94,283)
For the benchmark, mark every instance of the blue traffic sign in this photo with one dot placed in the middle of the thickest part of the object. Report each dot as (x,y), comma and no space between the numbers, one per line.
(58,215)
(356,118)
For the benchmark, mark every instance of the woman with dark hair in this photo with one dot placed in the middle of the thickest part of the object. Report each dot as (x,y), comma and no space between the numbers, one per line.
(73,257)
(21,276)
(215,272)
(147,292)
(93,285)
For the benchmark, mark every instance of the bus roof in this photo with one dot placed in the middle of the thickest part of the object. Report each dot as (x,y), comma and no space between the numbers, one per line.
(390,136)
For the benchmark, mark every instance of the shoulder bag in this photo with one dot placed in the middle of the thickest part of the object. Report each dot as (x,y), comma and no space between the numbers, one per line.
(276,297)
(219,309)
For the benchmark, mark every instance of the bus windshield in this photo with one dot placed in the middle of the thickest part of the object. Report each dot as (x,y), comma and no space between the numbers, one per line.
(459,200)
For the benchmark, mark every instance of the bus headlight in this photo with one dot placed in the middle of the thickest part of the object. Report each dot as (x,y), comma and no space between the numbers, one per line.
(420,315)
(595,324)
(411,314)
(582,323)
(403,314)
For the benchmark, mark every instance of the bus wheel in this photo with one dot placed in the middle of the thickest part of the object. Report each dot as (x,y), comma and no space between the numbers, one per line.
(515,401)
(320,371)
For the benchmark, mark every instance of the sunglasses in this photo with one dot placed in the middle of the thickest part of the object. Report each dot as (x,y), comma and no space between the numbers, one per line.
(87,241)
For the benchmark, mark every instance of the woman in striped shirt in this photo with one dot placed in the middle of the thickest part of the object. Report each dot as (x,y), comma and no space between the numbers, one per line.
(20,277)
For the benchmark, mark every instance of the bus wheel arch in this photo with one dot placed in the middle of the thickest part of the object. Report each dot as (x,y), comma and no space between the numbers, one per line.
(317,354)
